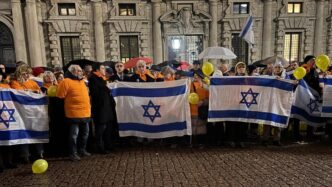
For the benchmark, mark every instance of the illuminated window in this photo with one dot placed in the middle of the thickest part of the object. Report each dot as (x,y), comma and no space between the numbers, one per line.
(67,9)
(294,8)
(128,47)
(127,9)
(241,8)
(292,46)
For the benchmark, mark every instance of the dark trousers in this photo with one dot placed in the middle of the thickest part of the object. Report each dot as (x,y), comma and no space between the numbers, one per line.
(215,132)
(78,137)
(296,128)
(236,131)
(34,150)
(101,132)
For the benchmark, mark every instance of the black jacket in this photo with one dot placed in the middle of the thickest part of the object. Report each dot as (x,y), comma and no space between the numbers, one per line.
(136,78)
(116,77)
(102,102)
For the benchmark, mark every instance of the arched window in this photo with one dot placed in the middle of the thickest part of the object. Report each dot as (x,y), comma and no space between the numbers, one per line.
(7,51)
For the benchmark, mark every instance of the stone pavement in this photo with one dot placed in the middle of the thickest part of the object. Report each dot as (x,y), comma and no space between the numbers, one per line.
(292,165)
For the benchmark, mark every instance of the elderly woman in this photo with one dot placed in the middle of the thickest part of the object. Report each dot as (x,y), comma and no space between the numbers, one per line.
(141,74)
(22,80)
(169,73)
(48,80)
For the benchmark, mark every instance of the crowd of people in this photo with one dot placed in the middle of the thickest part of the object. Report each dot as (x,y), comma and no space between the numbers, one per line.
(84,110)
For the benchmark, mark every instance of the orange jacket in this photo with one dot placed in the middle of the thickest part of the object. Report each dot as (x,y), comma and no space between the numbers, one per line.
(77,101)
(202,93)
(3,85)
(27,85)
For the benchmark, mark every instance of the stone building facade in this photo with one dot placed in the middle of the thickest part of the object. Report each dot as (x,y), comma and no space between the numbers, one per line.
(53,32)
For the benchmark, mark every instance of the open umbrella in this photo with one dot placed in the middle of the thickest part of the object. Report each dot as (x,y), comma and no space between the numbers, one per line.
(81,62)
(132,62)
(272,60)
(217,53)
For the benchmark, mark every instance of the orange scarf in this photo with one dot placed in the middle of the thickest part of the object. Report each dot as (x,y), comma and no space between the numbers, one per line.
(170,79)
(143,75)
(100,75)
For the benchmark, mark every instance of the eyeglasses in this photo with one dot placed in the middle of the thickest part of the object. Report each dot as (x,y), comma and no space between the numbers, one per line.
(141,66)
(119,66)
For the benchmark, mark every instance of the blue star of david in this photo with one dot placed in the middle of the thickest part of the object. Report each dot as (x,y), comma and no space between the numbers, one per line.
(10,118)
(146,111)
(244,98)
(313,105)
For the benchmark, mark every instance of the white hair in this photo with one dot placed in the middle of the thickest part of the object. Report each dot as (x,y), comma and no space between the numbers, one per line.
(73,68)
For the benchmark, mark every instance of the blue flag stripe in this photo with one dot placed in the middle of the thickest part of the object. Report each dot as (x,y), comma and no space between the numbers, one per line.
(153,128)
(274,83)
(23,134)
(306,115)
(248,115)
(149,92)
(327,109)
(24,100)
(326,81)
(246,27)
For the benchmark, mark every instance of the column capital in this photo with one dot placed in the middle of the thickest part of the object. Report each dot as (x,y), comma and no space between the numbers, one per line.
(213,1)
(96,1)
(156,1)
(30,1)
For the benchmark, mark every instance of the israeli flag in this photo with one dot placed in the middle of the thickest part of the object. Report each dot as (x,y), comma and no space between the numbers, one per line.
(153,110)
(327,97)
(306,105)
(265,100)
(23,117)
(247,33)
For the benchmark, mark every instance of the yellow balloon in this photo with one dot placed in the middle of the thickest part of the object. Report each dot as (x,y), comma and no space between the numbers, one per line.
(206,80)
(51,91)
(322,62)
(193,98)
(207,68)
(299,73)
(39,166)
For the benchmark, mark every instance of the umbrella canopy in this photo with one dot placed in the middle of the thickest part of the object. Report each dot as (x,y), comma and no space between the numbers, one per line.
(272,60)
(217,53)
(183,66)
(132,62)
(81,62)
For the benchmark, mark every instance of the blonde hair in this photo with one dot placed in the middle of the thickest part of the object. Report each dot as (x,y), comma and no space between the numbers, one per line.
(49,74)
(20,70)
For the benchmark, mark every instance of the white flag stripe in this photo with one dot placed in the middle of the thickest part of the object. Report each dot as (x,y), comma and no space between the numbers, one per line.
(23,118)
(153,110)
(250,99)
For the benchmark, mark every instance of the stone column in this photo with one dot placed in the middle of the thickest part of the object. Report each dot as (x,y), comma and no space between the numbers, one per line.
(319,26)
(41,32)
(156,30)
(99,31)
(19,38)
(267,29)
(214,23)
(34,47)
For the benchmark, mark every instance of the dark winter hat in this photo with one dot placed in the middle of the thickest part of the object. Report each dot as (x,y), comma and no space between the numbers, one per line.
(197,62)
(251,68)
(307,58)
(109,70)
(155,68)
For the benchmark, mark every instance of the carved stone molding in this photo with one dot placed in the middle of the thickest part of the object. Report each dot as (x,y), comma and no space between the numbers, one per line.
(329,35)
(185,21)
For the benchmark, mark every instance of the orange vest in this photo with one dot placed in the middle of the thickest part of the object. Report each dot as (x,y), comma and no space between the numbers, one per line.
(27,85)
(77,101)
(2,85)
(202,93)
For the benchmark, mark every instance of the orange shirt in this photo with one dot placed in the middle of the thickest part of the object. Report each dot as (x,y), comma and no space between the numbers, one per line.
(77,101)
(2,85)
(202,93)
(27,85)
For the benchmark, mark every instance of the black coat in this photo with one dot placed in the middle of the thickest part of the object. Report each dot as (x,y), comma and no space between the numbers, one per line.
(116,77)
(102,102)
(136,78)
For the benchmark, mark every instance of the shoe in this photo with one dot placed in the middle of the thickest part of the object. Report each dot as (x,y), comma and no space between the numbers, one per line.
(103,151)
(10,166)
(242,145)
(265,143)
(232,144)
(74,157)
(84,153)
(277,143)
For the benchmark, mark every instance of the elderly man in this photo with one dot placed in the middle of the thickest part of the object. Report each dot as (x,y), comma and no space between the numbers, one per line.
(77,110)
